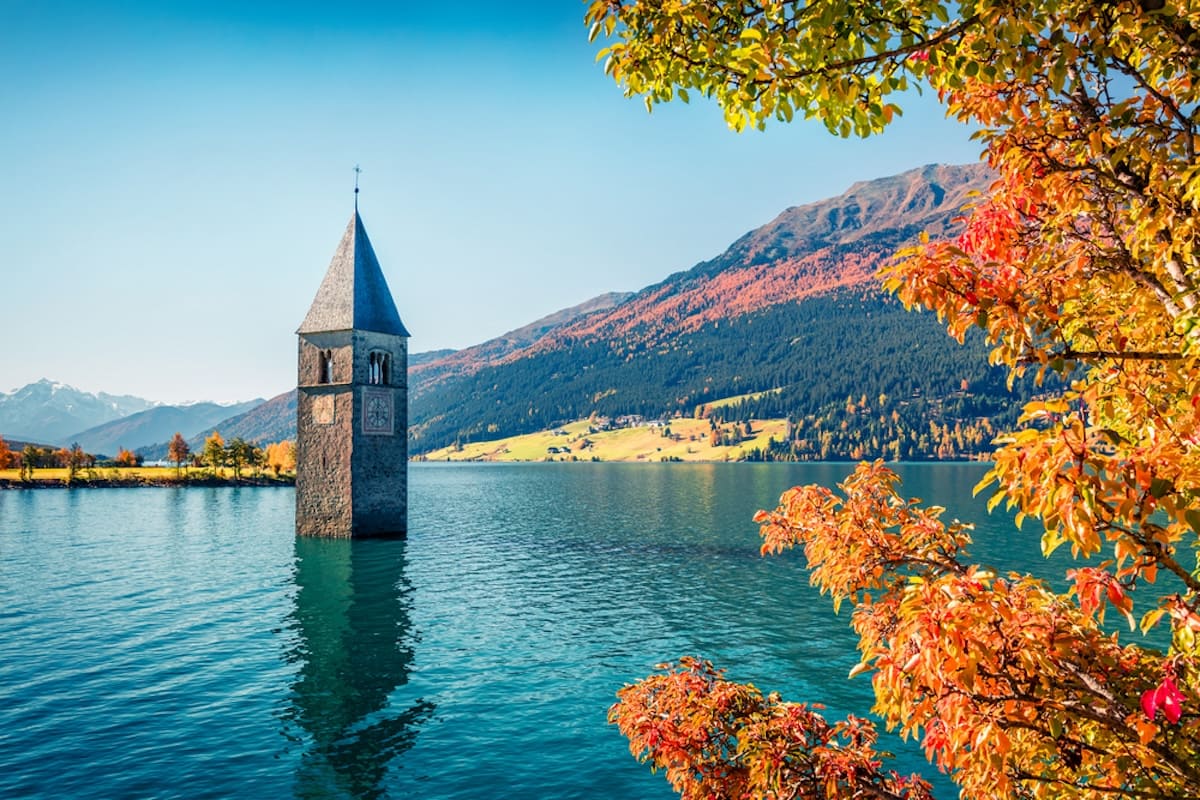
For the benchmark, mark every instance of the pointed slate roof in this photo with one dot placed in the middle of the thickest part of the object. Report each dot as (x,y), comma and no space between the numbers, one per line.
(354,294)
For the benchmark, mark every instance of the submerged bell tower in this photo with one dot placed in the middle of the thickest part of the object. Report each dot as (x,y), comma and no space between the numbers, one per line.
(352,400)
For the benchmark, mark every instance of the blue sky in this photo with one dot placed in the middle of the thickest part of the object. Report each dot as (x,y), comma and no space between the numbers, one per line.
(177,175)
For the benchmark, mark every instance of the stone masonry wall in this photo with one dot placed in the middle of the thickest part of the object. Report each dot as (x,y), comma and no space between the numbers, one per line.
(324,437)
(351,478)
(324,502)
(380,460)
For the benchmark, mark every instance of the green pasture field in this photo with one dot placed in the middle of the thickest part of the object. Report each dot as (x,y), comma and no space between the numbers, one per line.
(689,441)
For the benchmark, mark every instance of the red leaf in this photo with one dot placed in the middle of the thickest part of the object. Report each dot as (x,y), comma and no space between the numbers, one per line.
(1149,703)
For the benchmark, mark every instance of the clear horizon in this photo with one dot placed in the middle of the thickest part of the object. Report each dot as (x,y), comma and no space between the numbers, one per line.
(185,174)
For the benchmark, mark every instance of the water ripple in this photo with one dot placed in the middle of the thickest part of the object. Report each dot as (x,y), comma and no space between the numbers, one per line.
(184,643)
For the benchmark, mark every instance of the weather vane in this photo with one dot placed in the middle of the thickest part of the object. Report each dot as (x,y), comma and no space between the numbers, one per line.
(357,170)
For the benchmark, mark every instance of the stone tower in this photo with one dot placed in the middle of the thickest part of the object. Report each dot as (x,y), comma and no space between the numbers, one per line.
(352,401)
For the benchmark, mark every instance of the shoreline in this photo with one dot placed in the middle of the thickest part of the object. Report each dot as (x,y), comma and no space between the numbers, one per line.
(288,481)
(137,482)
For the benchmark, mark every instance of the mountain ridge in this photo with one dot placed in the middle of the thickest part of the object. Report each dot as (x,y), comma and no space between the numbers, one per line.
(730,326)
(49,411)
(805,250)
(156,425)
(500,348)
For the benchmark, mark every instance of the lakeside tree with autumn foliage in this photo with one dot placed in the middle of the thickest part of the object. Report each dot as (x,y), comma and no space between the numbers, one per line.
(1080,261)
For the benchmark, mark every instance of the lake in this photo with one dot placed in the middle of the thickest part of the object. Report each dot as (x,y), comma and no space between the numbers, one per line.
(184,643)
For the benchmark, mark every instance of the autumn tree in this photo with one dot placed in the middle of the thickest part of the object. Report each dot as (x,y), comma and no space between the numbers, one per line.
(238,455)
(258,459)
(127,458)
(75,460)
(1080,261)
(178,451)
(214,451)
(274,463)
(29,460)
(281,456)
(7,457)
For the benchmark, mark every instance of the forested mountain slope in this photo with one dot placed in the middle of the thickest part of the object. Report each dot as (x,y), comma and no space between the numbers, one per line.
(791,309)
(425,371)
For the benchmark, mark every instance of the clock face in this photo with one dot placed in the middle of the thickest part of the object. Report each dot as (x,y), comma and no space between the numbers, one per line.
(377,411)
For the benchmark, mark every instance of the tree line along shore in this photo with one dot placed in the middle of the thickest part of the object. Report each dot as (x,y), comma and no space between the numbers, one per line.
(127,477)
(237,463)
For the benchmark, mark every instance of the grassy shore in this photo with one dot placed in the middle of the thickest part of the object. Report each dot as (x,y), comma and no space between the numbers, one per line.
(682,439)
(689,441)
(102,477)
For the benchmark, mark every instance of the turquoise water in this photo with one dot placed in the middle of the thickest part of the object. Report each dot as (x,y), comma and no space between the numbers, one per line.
(184,643)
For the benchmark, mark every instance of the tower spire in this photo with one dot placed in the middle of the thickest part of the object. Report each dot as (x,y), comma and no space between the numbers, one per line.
(357,170)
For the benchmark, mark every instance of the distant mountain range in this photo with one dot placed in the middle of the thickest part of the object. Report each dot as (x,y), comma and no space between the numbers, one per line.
(789,319)
(271,421)
(157,424)
(51,412)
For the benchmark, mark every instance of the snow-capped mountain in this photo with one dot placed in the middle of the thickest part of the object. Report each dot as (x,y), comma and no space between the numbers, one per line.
(49,412)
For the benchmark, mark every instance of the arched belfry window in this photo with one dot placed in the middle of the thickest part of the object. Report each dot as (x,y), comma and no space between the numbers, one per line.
(379,368)
(325,374)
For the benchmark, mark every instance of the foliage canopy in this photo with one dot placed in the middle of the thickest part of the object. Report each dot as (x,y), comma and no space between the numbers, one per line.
(214,451)
(1081,260)
(178,450)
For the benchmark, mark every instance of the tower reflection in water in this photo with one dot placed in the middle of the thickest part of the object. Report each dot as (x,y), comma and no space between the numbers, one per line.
(354,646)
